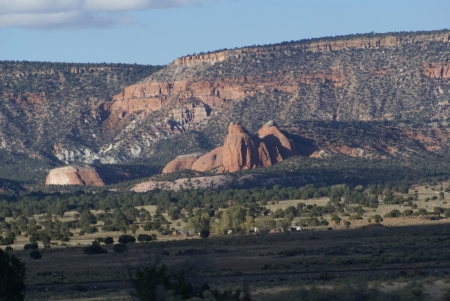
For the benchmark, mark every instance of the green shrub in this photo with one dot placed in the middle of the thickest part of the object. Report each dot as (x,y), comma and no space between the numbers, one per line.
(31,246)
(35,254)
(125,239)
(109,240)
(12,273)
(393,213)
(204,234)
(144,238)
(95,248)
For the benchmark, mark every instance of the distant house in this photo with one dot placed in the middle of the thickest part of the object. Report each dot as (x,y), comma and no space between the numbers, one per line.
(181,232)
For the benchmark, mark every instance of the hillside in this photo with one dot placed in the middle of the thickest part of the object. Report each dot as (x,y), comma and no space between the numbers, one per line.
(368,95)
(46,106)
(357,78)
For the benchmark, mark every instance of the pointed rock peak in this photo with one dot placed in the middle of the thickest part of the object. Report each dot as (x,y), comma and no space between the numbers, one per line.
(270,128)
(235,128)
(270,123)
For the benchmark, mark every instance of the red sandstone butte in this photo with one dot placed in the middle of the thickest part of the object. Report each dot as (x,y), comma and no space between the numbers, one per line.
(280,147)
(74,175)
(181,162)
(242,151)
(210,160)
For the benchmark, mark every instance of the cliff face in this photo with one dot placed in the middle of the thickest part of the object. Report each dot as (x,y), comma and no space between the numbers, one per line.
(84,113)
(209,58)
(362,77)
(354,42)
(50,111)
(241,151)
(437,71)
(74,175)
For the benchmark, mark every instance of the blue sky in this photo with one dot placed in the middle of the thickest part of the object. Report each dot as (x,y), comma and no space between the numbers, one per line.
(159,31)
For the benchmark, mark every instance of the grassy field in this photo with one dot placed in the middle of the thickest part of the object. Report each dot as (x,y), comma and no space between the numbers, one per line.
(363,248)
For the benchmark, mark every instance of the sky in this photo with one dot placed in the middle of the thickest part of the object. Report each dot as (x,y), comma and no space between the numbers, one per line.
(156,32)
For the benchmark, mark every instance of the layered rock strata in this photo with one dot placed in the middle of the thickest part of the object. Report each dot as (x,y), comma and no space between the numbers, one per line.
(74,175)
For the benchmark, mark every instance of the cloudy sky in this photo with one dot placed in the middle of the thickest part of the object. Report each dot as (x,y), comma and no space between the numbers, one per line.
(159,31)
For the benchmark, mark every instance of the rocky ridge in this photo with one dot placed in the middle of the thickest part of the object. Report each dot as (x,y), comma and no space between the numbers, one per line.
(74,114)
(317,79)
(323,45)
(240,151)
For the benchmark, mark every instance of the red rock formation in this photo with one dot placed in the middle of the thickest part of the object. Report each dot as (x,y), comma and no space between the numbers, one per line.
(154,95)
(190,113)
(209,58)
(210,160)
(181,162)
(280,147)
(74,175)
(242,151)
(182,85)
(437,71)
(322,46)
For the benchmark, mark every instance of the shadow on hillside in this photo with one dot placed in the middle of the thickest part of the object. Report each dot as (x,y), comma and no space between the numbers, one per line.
(114,174)
(304,146)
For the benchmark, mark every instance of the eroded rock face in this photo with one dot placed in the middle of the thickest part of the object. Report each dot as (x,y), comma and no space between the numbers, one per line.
(437,71)
(280,147)
(242,151)
(74,175)
(181,162)
(313,46)
(210,160)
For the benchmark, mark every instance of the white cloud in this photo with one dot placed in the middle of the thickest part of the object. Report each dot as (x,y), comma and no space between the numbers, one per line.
(56,14)
(37,6)
(39,20)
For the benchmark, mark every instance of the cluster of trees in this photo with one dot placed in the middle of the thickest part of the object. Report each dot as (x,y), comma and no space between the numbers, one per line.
(12,275)
(38,77)
(158,282)
(203,210)
(96,248)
